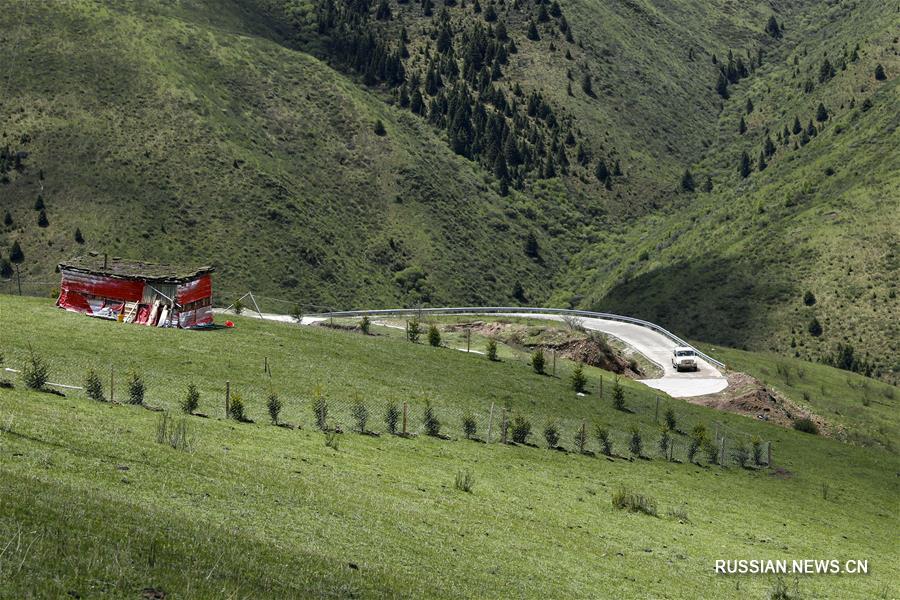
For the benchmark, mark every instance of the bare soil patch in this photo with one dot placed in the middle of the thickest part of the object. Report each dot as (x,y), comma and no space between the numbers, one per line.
(746,395)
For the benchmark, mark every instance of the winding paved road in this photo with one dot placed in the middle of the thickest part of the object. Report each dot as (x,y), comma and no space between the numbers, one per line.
(652,344)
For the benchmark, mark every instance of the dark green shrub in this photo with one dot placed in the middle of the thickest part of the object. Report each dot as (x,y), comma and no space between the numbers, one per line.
(618,395)
(93,387)
(636,443)
(431,422)
(551,434)
(806,425)
(392,417)
(671,421)
(273,405)
(238,307)
(581,439)
(297,313)
(693,447)
(36,372)
(236,408)
(469,426)
(434,336)
(191,400)
(365,325)
(579,381)
(521,429)
(756,445)
(413,331)
(491,349)
(625,499)
(537,361)
(136,388)
(665,440)
(603,439)
(360,415)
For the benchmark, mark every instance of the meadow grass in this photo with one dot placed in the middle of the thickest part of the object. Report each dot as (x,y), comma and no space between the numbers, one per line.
(93,505)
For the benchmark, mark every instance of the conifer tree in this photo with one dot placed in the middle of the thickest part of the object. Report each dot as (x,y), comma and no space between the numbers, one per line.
(708,184)
(687,181)
(42,219)
(383,12)
(742,126)
(821,113)
(587,85)
(542,15)
(797,127)
(39,203)
(490,15)
(749,106)
(79,238)
(722,86)
(533,32)
(826,71)
(601,171)
(744,169)
(7,219)
(880,75)
(761,163)
(772,27)
(769,147)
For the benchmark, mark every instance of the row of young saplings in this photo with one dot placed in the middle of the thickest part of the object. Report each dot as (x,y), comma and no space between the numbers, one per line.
(517,430)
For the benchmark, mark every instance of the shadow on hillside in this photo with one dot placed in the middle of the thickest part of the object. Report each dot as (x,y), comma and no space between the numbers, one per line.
(722,301)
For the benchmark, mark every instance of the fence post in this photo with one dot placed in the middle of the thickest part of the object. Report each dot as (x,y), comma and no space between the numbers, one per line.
(112,383)
(503,426)
(227,398)
(404,417)
(490,423)
(769,459)
(722,460)
(266,364)
(554,361)
(656,416)
(407,330)
(601,387)
(468,339)
(583,438)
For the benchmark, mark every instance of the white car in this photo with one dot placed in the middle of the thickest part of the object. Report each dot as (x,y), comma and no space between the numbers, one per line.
(684,359)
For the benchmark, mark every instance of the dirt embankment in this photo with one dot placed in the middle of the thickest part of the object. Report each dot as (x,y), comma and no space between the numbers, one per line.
(746,395)
(591,348)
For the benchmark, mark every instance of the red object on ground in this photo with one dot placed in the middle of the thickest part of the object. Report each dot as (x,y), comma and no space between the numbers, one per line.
(229,323)
(137,291)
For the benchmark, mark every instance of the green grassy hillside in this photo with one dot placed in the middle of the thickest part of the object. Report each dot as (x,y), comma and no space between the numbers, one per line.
(243,134)
(93,506)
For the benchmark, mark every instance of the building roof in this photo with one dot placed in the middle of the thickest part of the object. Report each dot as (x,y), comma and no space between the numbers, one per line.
(115,266)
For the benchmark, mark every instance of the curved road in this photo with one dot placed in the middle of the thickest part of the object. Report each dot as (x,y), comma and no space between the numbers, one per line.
(652,344)
(657,348)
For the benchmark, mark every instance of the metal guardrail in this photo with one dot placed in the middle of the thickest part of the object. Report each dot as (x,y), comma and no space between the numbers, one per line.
(481,310)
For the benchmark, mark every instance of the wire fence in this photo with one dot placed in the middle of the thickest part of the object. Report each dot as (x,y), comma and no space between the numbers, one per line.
(488,423)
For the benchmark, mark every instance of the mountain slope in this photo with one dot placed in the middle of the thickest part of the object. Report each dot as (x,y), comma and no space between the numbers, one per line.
(244,134)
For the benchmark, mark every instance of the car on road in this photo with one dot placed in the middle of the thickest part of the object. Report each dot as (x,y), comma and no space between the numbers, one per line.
(684,359)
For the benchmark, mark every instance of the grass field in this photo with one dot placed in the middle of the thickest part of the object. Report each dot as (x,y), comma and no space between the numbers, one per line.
(94,507)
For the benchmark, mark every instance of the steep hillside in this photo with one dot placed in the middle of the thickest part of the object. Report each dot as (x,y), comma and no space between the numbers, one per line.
(383,152)
(808,235)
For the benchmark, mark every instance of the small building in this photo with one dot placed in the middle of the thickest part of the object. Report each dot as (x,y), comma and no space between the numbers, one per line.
(133,291)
